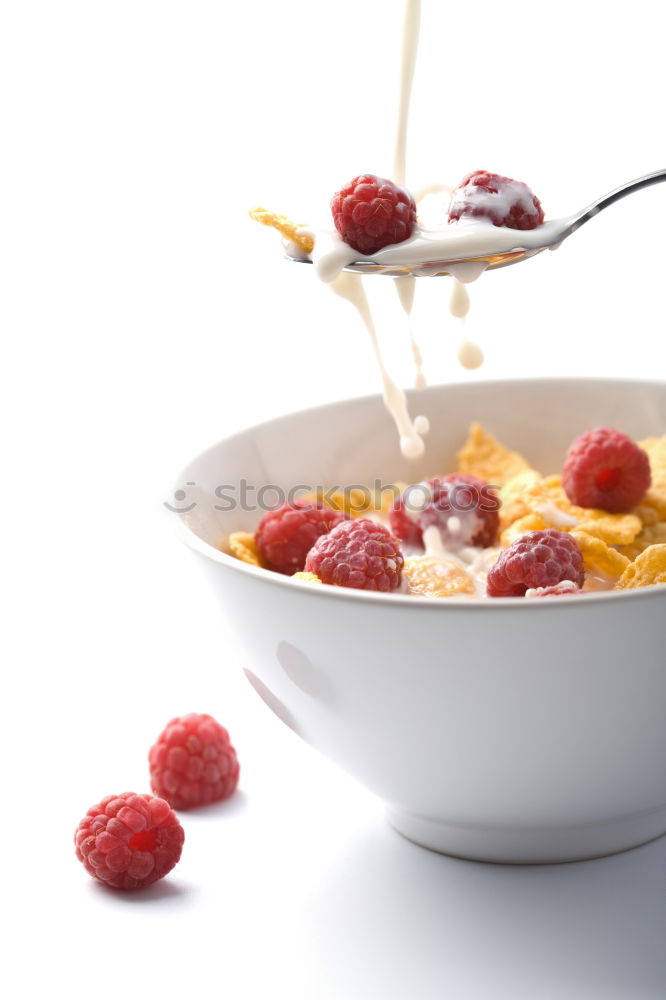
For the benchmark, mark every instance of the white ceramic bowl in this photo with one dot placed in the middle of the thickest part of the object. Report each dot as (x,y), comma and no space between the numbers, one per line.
(504,730)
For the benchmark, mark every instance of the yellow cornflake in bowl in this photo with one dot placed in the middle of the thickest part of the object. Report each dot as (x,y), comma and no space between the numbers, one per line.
(647,569)
(614,529)
(432,576)
(599,559)
(244,547)
(303,575)
(517,496)
(530,522)
(648,515)
(529,494)
(356,503)
(483,456)
(656,495)
(652,534)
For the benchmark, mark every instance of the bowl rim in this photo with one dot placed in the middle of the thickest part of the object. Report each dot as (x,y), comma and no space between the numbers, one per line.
(470,603)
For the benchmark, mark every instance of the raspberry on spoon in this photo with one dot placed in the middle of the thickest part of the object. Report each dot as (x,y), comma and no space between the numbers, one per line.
(501,200)
(371,213)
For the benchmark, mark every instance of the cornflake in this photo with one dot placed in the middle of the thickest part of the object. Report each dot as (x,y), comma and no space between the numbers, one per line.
(483,456)
(656,495)
(599,558)
(290,230)
(311,577)
(352,502)
(244,547)
(528,494)
(648,568)
(530,522)
(432,576)
(653,534)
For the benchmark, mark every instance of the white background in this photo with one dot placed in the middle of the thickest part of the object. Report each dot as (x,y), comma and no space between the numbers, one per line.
(143,317)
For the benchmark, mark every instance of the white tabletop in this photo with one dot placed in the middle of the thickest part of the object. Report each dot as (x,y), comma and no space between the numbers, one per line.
(295,887)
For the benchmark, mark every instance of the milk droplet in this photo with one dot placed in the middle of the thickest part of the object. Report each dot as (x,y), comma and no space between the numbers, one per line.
(459,301)
(411,447)
(421,424)
(470,355)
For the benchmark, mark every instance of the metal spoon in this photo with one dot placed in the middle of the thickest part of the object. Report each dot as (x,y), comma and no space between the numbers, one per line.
(527,243)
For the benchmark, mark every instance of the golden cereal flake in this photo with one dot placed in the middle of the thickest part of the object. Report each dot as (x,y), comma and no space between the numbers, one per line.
(528,493)
(648,515)
(648,568)
(656,495)
(656,450)
(432,576)
(517,494)
(652,534)
(388,497)
(656,498)
(483,456)
(356,503)
(599,558)
(244,547)
(614,529)
(310,577)
(284,225)
(530,522)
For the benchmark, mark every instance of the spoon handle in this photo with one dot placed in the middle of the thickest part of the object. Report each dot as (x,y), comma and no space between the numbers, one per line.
(620,192)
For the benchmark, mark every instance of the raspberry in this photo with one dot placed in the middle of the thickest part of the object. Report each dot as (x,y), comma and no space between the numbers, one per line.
(505,202)
(604,468)
(463,508)
(129,841)
(536,559)
(358,554)
(370,213)
(193,763)
(285,536)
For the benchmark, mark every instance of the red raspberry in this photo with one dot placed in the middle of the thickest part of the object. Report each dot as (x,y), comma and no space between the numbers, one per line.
(503,201)
(129,841)
(358,554)
(536,559)
(370,213)
(193,763)
(604,468)
(285,536)
(463,508)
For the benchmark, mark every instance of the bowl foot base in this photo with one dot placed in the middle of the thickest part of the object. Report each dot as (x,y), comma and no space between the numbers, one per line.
(530,846)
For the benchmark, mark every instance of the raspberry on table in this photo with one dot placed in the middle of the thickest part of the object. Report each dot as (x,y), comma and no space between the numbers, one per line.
(129,841)
(358,553)
(371,213)
(536,559)
(464,508)
(605,469)
(286,535)
(501,200)
(193,763)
